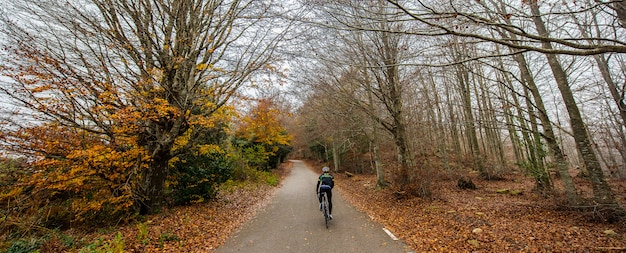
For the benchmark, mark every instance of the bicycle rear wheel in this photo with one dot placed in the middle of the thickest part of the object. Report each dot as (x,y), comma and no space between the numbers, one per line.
(325,208)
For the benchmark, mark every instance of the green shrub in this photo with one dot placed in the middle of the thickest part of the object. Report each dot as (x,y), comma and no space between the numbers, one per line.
(258,176)
(271,179)
(255,156)
(100,246)
(167,237)
(24,246)
(142,234)
(196,177)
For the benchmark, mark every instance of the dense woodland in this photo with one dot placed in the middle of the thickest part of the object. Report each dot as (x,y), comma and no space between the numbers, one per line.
(113,110)
(406,88)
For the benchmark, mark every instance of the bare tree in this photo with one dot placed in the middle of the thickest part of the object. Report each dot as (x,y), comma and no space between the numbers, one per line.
(535,100)
(475,31)
(602,191)
(473,19)
(589,27)
(378,56)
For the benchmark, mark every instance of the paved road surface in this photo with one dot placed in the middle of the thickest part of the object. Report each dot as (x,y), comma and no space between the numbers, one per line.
(292,222)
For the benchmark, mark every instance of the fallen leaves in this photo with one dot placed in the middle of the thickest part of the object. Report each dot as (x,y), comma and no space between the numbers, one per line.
(484,220)
(195,228)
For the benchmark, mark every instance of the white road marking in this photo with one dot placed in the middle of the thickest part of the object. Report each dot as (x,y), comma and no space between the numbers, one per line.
(393,237)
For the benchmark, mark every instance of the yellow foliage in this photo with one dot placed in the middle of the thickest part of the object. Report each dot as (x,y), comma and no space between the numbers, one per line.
(209,149)
(183,140)
(262,125)
(94,171)
(173,161)
(14,192)
(96,153)
(203,66)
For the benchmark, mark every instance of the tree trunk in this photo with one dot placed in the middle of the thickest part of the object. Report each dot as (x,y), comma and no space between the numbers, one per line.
(605,72)
(403,152)
(336,159)
(534,154)
(491,127)
(620,10)
(510,122)
(154,184)
(549,135)
(470,128)
(442,137)
(601,190)
(380,173)
(454,131)
(618,98)
(536,148)
(398,130)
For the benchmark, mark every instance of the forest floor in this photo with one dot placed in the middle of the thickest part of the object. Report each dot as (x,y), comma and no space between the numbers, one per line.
(500,216)
(200,227)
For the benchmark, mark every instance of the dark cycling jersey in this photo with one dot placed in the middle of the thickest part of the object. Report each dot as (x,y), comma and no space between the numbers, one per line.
(325,180)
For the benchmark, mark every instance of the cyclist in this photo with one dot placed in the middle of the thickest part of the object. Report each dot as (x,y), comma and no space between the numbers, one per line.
(325,183)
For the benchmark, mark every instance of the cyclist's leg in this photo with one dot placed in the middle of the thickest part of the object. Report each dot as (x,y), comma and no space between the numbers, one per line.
(319,197)
(329,195)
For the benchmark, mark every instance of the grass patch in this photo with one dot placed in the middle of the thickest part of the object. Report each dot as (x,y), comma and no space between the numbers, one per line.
(24,246)
(116,245)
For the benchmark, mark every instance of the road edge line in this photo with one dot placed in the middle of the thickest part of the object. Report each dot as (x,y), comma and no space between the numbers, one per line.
(393,237)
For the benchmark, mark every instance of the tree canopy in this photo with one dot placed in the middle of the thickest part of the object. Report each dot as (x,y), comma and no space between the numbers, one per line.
(105,94)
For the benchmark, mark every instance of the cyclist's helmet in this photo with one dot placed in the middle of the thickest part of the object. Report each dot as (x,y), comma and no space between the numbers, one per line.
(325,169)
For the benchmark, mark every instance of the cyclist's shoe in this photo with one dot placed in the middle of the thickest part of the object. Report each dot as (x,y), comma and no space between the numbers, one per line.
(330,216)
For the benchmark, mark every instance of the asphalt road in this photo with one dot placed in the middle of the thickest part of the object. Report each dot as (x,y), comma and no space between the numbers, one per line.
(292,222)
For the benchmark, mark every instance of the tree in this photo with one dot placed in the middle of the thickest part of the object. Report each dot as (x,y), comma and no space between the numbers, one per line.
(589,30)
(474,20)
(263,125)
(151,71)
(452,18)
(463,79)
(535,100)
(602,191)
(370,68)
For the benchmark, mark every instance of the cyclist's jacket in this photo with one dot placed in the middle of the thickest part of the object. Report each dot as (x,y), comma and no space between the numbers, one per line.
(325,181)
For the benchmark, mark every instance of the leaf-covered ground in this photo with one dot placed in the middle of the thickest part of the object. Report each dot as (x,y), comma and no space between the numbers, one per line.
(483,220)
(201,227)
(455,220)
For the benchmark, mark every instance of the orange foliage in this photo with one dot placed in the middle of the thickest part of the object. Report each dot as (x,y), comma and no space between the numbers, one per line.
(82,147)
(93,143)
(95,172)
(262,125)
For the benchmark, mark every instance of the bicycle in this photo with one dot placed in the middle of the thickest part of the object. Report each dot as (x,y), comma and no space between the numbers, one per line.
(325,208)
